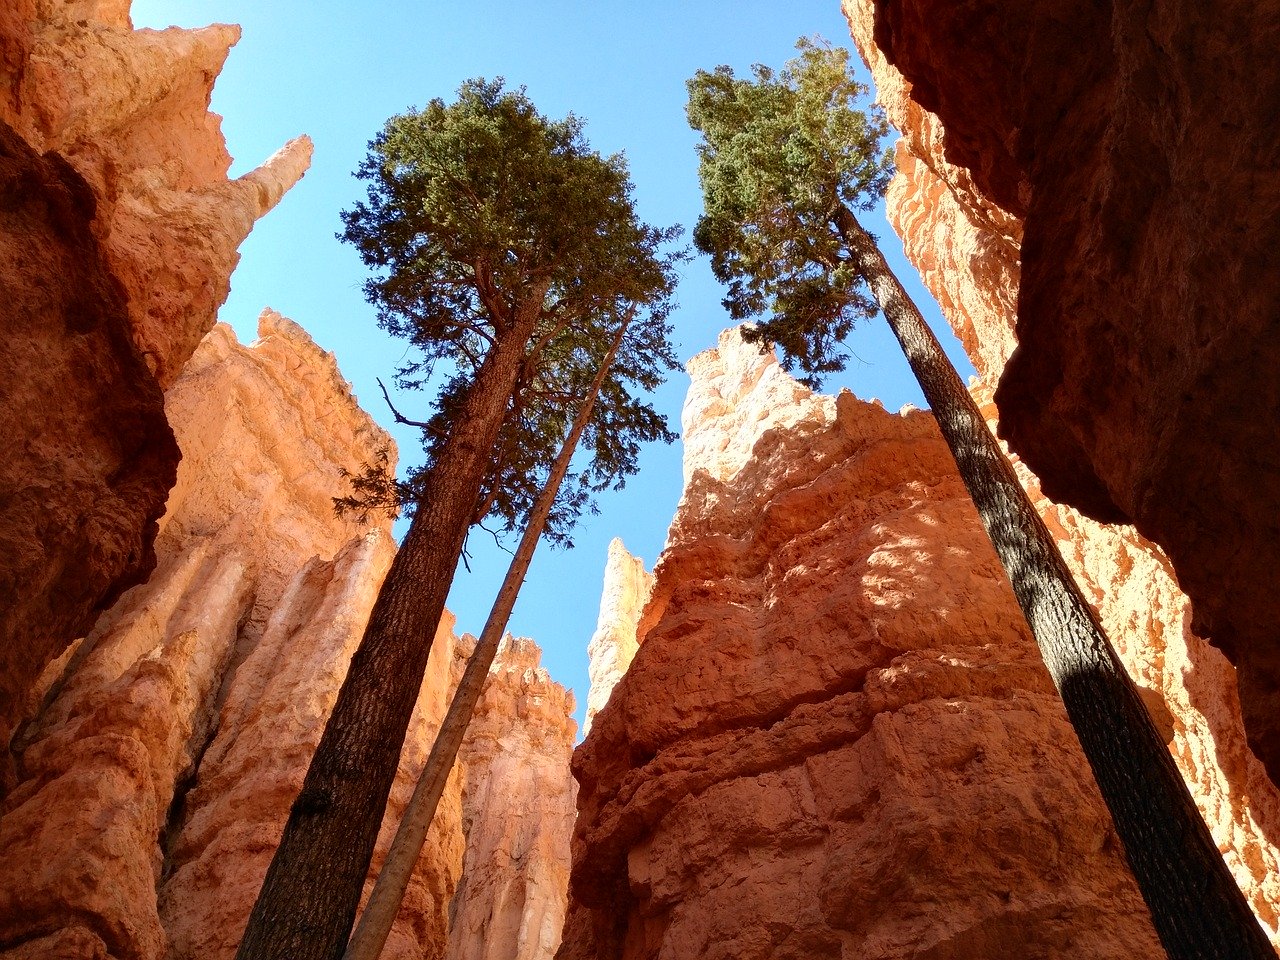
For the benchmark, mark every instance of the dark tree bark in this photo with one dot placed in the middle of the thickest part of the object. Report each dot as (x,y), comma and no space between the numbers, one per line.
(1197,908)
(393,879)
(311,891)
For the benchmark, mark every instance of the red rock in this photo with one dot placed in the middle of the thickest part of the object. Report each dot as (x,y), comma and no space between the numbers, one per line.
(967,252)
(89,456)
(143,223)
(836,737)
(1136,141)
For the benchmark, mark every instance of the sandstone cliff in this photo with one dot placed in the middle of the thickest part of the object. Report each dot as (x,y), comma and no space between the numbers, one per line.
(1131,140)
(241,637)
(967,249)
(159,774)
(836,737)
(517,812)
(131,209)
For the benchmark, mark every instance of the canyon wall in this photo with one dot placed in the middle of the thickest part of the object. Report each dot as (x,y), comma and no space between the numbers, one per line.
(119,172)
(836,736)
(157,778)
(517,812)
(967,248)
(1135,143)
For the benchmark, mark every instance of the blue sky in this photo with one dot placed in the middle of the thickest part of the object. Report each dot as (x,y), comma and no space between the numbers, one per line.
(337,70)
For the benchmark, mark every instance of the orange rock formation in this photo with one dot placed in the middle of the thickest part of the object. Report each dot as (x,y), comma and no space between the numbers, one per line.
(967,250)
(836,737)
(123,116)
(517,812)
(1130,140)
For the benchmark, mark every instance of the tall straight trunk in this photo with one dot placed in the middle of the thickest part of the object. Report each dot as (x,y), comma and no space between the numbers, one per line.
(312,888)
(1198,911)
(388,892)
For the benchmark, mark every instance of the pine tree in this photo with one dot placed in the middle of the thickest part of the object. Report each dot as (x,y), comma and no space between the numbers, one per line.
(786,159)
(501,246)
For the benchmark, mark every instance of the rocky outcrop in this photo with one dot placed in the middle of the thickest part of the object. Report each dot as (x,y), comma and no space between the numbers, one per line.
(129,110)
(517,812)
(89,455)
(158,777)
(131,210)
(836,737)
(613,645)
(966,249)
(275,712)
(268,430)
(1132,141)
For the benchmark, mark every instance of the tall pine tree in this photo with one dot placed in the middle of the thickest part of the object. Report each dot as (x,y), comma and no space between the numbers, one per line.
(786,161)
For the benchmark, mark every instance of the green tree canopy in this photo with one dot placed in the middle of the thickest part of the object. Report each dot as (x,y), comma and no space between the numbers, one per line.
(470,204)
(782,153)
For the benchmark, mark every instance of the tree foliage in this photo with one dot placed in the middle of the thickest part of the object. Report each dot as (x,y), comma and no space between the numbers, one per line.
(472,204)
(782,153)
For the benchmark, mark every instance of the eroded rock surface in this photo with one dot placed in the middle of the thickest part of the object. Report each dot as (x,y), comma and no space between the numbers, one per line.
(966,249)
(131,209)
(1136,142)
(89,456)
(836,737)
(613,645)
(518,810)
(268,430)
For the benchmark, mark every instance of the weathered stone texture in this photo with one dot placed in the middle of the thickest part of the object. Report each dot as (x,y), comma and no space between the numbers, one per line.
(836,738)
(127,723)
(613,645)
(517,811)
(1137,143)
(966,249)
(88,453)
(140,225)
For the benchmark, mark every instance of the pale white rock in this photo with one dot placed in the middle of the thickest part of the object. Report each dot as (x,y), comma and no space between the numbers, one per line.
(613,645)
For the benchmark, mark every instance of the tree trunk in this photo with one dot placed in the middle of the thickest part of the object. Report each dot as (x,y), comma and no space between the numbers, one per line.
(388,892)
(1198,911)
(313,886)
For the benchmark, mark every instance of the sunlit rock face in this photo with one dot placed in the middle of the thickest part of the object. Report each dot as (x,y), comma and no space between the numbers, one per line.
(967,249)
(613,646)
(1133,141)
(517,812)
(239,640)
(146,250)
(836,737)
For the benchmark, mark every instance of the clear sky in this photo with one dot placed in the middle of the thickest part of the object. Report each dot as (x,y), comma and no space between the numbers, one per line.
(337,70)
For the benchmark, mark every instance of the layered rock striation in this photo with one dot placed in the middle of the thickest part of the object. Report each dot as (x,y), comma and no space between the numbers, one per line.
(158,775)
(968,248)
(613,646)
(836,737)
(131,209)
(255,571)
(1133,142)
(517,812)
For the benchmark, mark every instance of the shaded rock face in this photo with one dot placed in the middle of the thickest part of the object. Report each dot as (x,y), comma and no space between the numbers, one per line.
(517,812)
(836,737)
(967,250)
(89,455)
(157,779)
(131,208)
(1136,142)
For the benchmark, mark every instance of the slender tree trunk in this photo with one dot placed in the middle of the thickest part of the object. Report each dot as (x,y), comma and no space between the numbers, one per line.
(312,888)
(388,892)
(1198,911)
